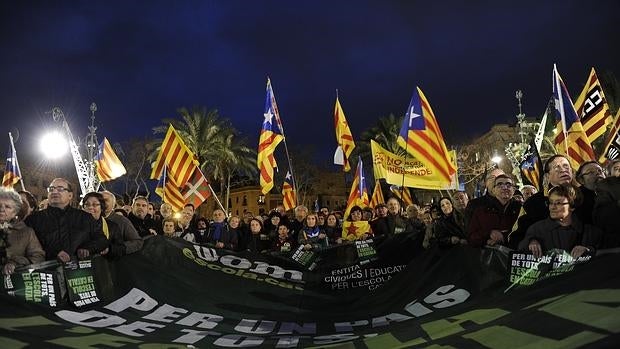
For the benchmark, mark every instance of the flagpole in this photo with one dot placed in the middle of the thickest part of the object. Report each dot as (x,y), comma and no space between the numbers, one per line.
(21,180)
(216,199)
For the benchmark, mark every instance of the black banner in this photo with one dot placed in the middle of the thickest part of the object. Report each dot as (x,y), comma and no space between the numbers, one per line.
(174,294)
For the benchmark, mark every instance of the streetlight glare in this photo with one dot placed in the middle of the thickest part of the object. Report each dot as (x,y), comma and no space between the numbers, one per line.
(496,159)
(53,145)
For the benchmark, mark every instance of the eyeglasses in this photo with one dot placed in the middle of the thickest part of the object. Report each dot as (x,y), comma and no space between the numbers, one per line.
(557,203)
(51,188)
(596,171)
(507,185)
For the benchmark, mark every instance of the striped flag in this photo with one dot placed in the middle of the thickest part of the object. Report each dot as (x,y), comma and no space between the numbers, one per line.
(343,137)
(531,168)
(12,174)
(270,137)
(377,195)
(570,139)
(358,194)
(196,190)
(421,137)
(174,154)
(611,150)
(109,166)
(169,191)
(403,194)
(592,108)
(289,196)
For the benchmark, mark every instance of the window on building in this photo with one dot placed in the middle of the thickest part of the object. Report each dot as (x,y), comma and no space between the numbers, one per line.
(245,200)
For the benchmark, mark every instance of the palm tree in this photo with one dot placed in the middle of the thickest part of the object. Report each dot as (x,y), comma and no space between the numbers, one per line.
(215,143)
(385,132)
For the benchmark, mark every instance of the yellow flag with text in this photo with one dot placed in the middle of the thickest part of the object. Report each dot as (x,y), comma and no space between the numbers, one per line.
(391,167)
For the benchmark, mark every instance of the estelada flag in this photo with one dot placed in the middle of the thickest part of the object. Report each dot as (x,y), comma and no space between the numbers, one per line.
(377,195)
(180,160)
(12,174)
(289,196)
(109,166)
(270,136)
(358,194)
(421,137)
(197,189)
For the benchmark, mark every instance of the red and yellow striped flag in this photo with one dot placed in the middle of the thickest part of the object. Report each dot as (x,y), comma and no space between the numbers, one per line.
(421,137)
(109,166)
(359,194)
(270,137)
(180,160)
(343,137)
(377,195)
(289,196)
(591,106)
(403,194)
(169,191)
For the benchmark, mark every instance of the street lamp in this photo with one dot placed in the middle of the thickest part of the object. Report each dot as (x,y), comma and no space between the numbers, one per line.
(53,145)
(496,159)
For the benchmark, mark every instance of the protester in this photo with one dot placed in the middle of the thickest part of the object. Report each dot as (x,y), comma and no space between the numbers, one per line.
(128,233)
(311,236)
(202,229)
(588,174)
(606,211)
(65,231)
(144,225)
(219,233)
(259,241)
(284,243)
(168,227)
(332,229)
(613,168)
(29,204)
(393,223)
(19,245)
(184,229)
(449,228)
(562,229)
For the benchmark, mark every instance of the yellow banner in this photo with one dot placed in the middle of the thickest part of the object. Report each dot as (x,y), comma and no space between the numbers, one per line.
(391,167)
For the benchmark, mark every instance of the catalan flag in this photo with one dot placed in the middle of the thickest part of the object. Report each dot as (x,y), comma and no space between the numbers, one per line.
(343,137)
(592,108)
(169,191)
(289,196)
(197,189)
(180,160)
(403,194)
(358,194)
(531,168)
(270,137)
(421,137)
(12,174)
(570,138)
(377,195)
(108,164)
(352,231)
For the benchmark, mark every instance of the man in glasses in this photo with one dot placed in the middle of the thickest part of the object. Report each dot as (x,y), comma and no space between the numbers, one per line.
(490,224)
(65,231)
(588,175)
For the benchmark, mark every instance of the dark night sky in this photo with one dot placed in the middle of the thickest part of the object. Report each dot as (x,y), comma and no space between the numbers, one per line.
(141,60)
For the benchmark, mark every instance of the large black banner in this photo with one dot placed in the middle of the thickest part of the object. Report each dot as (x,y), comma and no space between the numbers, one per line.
(177,295)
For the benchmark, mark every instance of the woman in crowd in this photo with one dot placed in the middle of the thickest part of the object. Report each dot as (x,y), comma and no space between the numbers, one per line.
(94,204)
(311,235)
(449,229)
(234,227)
(19,245)
(562,229)
(271,225)
(259,241)
(284,243)
(29,204)
(333,230)
(219,233)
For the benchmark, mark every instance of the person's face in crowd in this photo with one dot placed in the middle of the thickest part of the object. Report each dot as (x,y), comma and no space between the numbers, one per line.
(393,206)
(168,228)
(560,172)
(332,221)
(490,180)
(615,169)
(218,216)
(461,200)
(356,216)
(165,210)
(435,213)
(151,210)
(140,208)
(321,220)
(255,227)
(186,215)
(446,206)
(311,220)
(382,211)
(325,211)
(234,222)
(275,220)
(590,174)
(202,225)
(43,204)
(26,204)
(518,197)
(559,207)
(413,211)
(110,202)
(8,210)
(58,194)
(93,206)
(127,209)
(426,218)
(528,192)
(504,189)
(190,209)
(282,232)
(300,214)
(247,216)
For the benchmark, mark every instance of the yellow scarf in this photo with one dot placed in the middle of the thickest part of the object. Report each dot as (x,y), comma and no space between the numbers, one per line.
(104,225)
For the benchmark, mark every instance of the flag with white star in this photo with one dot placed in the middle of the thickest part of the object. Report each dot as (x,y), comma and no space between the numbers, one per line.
(358,196)
(270,137)
(12,174)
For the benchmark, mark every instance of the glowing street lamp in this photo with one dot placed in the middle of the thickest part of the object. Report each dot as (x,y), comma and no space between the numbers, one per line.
(496,159)
(53,145)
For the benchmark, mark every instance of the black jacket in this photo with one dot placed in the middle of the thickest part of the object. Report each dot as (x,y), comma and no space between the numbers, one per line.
(68,230)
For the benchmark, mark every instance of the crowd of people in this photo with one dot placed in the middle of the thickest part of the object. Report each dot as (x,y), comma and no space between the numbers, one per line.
(577,212)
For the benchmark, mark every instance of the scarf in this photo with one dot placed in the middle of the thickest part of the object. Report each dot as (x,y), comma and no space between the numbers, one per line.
(217,230)
(311,232)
